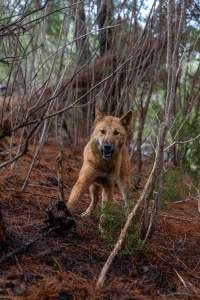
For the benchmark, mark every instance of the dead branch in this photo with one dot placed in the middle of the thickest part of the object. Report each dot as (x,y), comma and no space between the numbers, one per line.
(24,148)
(60,177)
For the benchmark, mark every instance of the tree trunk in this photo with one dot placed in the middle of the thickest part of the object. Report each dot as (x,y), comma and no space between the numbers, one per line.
(142,118)
(139,147)
(105,18)
(82,42)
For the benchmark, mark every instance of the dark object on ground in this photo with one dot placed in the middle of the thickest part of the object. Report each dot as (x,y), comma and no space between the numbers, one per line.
(59,218)
(20,249)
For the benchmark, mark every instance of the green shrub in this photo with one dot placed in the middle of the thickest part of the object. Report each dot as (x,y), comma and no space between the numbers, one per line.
(188,154)
(177,185)
(114,217)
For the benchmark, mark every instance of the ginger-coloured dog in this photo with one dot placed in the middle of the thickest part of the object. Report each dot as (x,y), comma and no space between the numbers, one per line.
(106,162)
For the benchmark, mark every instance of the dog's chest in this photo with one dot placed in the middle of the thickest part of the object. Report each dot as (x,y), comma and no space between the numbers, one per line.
(104,178)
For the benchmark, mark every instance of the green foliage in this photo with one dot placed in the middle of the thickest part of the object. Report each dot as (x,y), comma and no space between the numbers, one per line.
(191,36)
(114,217)
(3,72)
(188,153)
(54,21)
(192,155)
(176,185)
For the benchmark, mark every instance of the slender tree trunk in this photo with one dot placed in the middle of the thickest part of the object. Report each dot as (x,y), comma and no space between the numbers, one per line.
(142,118)
(105,18)
(139,146)
(82,44)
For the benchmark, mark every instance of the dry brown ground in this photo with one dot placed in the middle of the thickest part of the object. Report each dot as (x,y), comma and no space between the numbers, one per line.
(66,268)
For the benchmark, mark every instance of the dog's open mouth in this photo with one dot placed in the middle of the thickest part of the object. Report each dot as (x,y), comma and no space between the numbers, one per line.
(107,154)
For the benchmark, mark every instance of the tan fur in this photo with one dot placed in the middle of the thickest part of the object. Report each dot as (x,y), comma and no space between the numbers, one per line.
(98,172)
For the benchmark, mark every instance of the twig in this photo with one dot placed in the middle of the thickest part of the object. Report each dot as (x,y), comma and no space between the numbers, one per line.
(60,177)
(24,148)
(176,218)
(181,279)
(182,142)
(26,192)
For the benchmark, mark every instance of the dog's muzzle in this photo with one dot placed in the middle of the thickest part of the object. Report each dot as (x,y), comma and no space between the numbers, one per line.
(107,151)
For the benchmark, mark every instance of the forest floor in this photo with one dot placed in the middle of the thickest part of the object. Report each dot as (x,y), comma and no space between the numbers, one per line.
(66,267)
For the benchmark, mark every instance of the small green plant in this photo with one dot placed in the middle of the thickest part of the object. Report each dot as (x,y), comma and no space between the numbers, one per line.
(176,185)
(114,217)
(188,153)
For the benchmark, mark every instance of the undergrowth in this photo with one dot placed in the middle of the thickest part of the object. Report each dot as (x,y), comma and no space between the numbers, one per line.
(178,185)
(114,217)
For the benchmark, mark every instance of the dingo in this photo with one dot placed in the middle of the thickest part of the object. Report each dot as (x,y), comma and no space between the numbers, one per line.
(106,161)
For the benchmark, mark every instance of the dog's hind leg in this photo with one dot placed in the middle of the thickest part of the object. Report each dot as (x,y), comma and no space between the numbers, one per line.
(94,194)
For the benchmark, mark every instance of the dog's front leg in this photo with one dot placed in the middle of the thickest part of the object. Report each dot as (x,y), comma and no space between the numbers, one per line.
(85,179)
(94,191)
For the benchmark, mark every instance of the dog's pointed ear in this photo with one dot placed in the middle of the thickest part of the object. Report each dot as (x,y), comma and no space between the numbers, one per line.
(126,119)
(98,114)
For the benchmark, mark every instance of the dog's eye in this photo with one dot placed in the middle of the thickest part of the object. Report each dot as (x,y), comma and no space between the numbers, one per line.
(116,132)
(102,131)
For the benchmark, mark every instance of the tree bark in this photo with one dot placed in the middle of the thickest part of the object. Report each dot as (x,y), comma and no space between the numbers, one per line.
(142,118)
(82,43)
(105,18)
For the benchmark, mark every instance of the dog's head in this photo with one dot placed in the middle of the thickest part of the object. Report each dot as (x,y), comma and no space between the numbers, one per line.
(110,133)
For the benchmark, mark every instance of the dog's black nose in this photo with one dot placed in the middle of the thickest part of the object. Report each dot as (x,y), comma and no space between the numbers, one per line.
(107,147)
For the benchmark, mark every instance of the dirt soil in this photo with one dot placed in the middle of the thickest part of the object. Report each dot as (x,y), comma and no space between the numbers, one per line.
(66,267)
